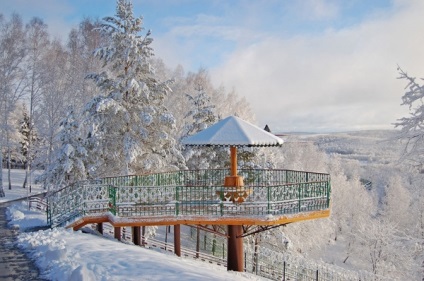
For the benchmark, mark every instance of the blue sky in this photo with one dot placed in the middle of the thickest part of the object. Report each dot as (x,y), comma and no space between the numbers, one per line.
(304,65)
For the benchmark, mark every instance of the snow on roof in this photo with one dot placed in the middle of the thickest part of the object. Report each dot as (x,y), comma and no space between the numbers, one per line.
(233,131)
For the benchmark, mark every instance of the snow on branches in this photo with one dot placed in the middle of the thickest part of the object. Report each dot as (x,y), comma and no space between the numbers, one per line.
(69,164)
(128,126)
(412,127)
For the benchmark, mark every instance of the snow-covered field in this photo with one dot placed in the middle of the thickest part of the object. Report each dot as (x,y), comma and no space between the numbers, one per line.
(62,254)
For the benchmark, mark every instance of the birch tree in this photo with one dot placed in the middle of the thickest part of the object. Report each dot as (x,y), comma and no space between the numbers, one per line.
(81,43)
(12,86)
(54,99)
(37,43)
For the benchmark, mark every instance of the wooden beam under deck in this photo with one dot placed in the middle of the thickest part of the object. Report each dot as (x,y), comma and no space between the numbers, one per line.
(151,221)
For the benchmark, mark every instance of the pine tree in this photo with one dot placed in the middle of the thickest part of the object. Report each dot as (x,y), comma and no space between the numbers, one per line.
(28,137)
(128,126)
(69,163)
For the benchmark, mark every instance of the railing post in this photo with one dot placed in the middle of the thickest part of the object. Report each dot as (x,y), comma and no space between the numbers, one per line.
(299,195)
(328,193)
(177,198)
(221,205)
(269,199)
(112,199)
(49,215)
(84,196)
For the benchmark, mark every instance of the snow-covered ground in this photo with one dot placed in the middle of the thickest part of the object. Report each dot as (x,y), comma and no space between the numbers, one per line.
(17,177)
(62,254)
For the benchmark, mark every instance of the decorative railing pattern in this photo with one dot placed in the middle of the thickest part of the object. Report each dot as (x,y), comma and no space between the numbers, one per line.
(192,193)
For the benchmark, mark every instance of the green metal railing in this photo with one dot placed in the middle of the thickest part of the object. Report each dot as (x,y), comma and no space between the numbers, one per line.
(192,193)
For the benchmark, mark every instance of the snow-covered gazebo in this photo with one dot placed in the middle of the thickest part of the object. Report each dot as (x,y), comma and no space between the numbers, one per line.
(234,132)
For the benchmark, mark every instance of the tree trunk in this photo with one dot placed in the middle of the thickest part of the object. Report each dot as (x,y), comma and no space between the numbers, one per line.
(8,154)
(1,173)
(26,177)
(9,168)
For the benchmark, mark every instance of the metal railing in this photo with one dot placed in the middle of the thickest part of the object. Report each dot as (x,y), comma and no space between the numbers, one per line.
(192,193)
(285,266)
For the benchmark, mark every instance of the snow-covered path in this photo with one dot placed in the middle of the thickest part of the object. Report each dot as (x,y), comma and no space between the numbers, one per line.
(14,264)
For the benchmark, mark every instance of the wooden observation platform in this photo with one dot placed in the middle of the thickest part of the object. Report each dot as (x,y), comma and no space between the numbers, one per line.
(275,197)
(207,198)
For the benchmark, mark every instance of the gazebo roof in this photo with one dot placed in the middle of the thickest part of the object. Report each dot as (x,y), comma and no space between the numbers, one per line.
(233,131)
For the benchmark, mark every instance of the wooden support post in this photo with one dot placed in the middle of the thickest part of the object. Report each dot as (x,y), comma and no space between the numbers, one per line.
(233,151)
(235,248)
(177,240)
(136,235)
(233,180)
(99,227)
(117,232)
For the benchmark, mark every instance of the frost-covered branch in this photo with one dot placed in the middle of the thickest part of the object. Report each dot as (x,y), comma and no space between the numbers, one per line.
(412,126)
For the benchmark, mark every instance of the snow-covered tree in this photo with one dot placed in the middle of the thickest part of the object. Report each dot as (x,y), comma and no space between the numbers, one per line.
(54,100)
(128,127)
(81,43)
(397,201)
(202,116)
(28,137)
(37,42)
(12,74)
(412,127)
(386,252)
(68,165)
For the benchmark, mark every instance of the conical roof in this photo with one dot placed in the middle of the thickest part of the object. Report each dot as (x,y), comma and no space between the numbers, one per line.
(233,131)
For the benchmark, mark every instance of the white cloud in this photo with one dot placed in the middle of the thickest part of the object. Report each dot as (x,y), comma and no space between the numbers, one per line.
(315,9)
(339,80)
(336,79)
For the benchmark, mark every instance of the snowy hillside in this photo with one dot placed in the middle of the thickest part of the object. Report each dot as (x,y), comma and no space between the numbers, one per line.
(374,147)
(377,216)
